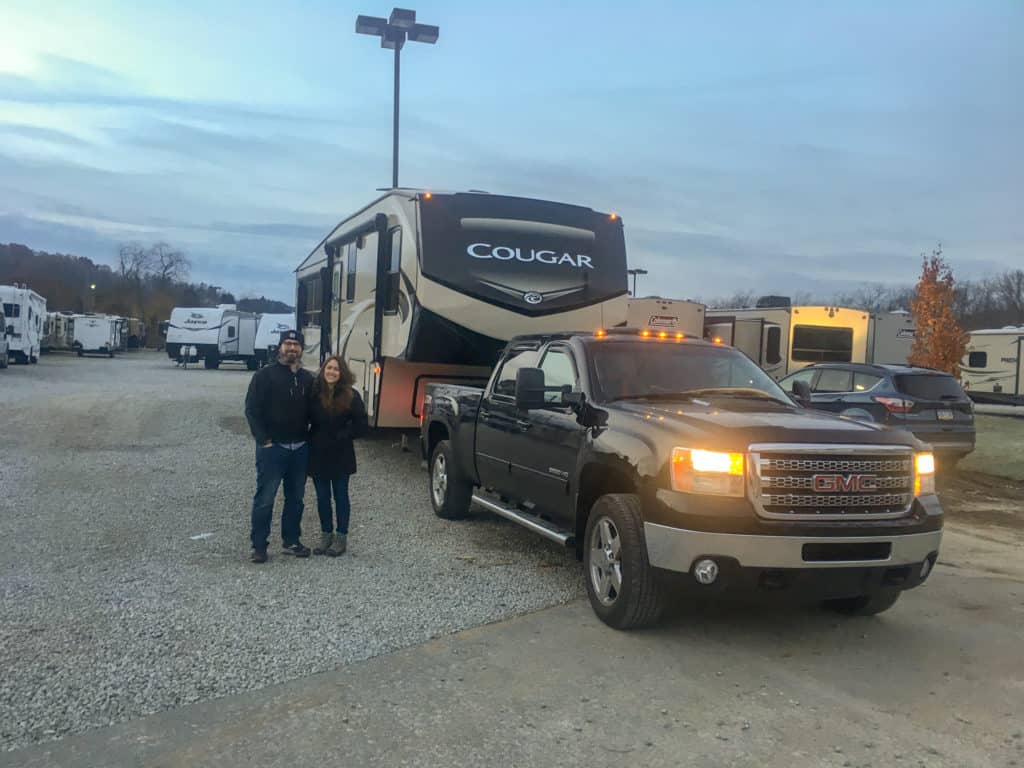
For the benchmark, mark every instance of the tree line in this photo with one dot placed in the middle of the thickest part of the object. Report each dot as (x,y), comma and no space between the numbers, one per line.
(145,282)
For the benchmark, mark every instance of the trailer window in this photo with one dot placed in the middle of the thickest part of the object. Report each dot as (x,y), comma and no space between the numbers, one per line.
(977,360)
(773,346)
(12,311)
(391,286)
(231,331)
(310,296)
(523,358)
(350,273)
(821,344)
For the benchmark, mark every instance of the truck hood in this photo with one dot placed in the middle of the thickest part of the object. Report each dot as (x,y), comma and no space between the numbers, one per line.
(733,426)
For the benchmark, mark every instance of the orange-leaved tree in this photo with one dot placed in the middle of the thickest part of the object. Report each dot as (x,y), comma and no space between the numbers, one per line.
(939,341)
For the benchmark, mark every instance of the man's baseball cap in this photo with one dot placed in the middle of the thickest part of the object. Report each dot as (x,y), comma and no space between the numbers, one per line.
(291,336)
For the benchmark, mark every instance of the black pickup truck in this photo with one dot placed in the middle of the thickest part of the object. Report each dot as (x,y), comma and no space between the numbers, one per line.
(675,464)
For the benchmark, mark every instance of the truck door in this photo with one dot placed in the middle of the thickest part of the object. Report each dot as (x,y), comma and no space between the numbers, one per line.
(501,439)
(554,440)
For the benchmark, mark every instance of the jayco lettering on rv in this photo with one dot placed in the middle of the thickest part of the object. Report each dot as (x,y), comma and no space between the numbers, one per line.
(507,253)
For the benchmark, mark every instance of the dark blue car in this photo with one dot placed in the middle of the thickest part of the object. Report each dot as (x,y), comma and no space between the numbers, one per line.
(928,403)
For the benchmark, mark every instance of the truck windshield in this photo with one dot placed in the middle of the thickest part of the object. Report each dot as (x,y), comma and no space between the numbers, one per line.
(655,370)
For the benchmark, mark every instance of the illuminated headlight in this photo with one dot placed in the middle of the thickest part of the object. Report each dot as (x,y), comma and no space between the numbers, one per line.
(924,474)
(707,472)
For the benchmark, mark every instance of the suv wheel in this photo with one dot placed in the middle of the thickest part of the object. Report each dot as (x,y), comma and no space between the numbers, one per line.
(450,492)
(624,591)
(865,605)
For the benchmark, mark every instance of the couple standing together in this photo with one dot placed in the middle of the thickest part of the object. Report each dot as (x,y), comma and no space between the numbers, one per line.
(303,425)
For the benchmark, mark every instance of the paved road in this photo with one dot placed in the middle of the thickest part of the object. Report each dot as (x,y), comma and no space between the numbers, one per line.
(938,681)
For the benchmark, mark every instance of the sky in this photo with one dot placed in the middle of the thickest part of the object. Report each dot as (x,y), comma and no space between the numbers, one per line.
(774,147)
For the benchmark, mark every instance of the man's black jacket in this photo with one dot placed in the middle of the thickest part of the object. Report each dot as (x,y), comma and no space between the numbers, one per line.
(277,404)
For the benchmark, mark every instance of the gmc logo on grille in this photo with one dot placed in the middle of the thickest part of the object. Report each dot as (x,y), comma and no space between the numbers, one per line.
(844,483)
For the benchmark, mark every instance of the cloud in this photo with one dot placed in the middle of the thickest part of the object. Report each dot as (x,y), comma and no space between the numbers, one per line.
(43,134)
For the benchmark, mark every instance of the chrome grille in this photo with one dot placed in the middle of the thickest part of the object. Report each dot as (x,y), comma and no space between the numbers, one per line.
(829,482)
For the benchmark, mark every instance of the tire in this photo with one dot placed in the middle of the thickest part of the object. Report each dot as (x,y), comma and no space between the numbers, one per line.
(865,605)
(81,353)
(211,363)
(252,364)
(5,361)
(450,492)
(33,360)
(614,550)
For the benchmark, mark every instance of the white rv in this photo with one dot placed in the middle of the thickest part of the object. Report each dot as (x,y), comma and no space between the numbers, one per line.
(674,315)
(25,312)
(219,334)
(784,339)
(3,339)
(268,332)
(420,287)
(96,335)
(994,365)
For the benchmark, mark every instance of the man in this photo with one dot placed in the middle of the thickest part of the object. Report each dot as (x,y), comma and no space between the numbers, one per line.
(276,407)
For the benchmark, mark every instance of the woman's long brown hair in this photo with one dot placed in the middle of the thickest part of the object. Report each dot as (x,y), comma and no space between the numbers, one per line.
(343,401)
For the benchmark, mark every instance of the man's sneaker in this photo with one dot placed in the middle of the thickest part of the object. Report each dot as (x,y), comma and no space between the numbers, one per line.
(258,556)
(296,549)
(339,545)
(325,544)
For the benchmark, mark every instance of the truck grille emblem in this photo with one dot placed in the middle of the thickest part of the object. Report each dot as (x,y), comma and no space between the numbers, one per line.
(844,483)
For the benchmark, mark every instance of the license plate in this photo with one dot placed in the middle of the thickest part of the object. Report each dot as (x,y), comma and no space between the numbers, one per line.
(945,415)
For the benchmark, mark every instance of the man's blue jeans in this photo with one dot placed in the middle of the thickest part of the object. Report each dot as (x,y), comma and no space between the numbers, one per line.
(277,466)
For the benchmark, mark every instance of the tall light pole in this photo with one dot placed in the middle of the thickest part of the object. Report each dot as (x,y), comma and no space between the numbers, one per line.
(634,273)
(393,32)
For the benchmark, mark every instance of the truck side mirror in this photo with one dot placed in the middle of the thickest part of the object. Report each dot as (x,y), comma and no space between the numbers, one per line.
(529,389)
(802,393)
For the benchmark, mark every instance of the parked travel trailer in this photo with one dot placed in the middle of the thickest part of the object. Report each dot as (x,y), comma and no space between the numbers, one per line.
(3,339)
(96,335)
(420,287)
(993,368)
(63,330)
(46,343)
(676,315)
(219,334)
(25,312)
(268,331)
(784,339)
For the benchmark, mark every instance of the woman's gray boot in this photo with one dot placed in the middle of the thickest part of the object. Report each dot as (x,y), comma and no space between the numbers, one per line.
(324,547)
(339,545)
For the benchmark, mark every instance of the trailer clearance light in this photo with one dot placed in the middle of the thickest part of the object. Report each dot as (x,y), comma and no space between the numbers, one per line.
(613,216)
(707,472)
(924,474)
(428,195)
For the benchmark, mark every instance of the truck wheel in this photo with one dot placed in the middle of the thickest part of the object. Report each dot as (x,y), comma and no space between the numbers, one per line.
(865,605)
(211,363)
(624,591)
(450,492)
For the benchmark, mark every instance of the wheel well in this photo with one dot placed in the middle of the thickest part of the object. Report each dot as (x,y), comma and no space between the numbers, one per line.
(435,434)
(596,481)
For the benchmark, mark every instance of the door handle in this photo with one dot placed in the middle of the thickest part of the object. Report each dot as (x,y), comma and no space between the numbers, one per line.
(485,414)
(523,424)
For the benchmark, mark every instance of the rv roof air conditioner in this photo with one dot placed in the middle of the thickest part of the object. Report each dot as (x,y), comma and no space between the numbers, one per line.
(771,302)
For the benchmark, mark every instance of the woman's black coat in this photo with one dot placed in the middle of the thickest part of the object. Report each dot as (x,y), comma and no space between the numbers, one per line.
(331,453)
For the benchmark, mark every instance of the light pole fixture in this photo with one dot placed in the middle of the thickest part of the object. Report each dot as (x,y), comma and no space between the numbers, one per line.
(634,273)
(393,33)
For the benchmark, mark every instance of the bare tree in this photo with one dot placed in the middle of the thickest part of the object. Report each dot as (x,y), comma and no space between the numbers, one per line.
(169,264)
(133,261)
(1011,292)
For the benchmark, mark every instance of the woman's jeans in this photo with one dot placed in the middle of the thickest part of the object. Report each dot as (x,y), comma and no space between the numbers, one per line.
(341,502)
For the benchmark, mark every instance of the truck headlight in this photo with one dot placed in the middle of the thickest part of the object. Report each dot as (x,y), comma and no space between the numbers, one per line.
(709,472)
(924,474)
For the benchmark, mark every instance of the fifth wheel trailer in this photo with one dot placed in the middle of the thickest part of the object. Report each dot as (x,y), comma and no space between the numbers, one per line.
(993,368)
(782,340)
(25,312)
(268,332)
(219,334)
(422,287)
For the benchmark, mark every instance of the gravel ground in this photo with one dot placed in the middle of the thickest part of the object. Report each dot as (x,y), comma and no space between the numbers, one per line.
(110,609)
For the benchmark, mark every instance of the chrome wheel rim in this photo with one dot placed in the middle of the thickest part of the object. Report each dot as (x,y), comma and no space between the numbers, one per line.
(439,480)
(605,561)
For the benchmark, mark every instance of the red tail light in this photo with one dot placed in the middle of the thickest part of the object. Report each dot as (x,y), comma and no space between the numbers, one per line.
(895,404)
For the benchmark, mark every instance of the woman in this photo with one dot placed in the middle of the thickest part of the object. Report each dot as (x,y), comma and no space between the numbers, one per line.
(337,416)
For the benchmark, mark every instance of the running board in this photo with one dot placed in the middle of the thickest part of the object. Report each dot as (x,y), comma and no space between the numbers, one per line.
(535,524)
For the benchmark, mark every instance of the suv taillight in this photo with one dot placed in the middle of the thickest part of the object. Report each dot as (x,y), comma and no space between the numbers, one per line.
(895,404)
